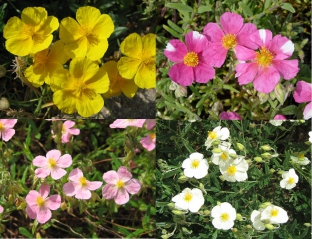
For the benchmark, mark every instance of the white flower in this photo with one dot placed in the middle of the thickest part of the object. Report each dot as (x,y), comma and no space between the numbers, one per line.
(300,159)
(310,134)
(275,214)
(195,166)
(255,217)
(290,179)
(223,216)
(215,134)
(222,154)
(189,199)
(235,170)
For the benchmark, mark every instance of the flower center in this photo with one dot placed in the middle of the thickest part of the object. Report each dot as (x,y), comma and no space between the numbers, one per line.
(188,197)
(40,201)
(301,157)
(231,170)
(28,30)
(195,163)
(93,39)
(52,162)
(264,57)
(212,135)
(82,88)
(224,156)
(120,184)
(63,129)
(274,212)
(225,217)
(229,41)
(1,127)
(291,180)
(191,59)
(153,136)
(83,181)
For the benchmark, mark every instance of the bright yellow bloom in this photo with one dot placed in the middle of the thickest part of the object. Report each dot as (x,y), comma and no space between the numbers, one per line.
(79,88)
(45,63)
(31,34)
(88,36)
(139,62)
(117,83)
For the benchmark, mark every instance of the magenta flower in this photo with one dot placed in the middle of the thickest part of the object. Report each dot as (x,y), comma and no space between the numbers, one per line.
(150,123)
(229,116)
(149,142)
(53,163)
(303,93)
(1,209)
(123,123)
(279,117)
(39,204)
(67,131)
(191,63)
(233,34)
(267,64)
(6,131)
(79,185)
(119,185)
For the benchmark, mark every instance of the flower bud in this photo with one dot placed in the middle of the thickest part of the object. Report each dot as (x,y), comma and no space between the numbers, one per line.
(266,155)
(222,178)
(269,226)
(216,142)
(265,204)
(248,161)
(280,172)
(207,212)
(185,230)
(258,159)
(240,146)
(11,199)
(4,103)
(178,212)
(272,170)
(266,147)
(216,151)
(307,224)
(63,205)
(182,179)
(164,236)
(239,217)
(171,205)
(249,226)
(234,229)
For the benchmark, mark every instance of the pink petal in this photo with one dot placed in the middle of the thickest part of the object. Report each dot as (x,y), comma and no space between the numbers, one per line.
(111,177)
(288,69)
(266,80)
(307,113)
(303,92)
(54,153)
(213,32)
(40,161)
(66,137)
(1,209)
(75,174)
(124,174)
(279,117)
(83,193)
(64,161)
(70,188)
(53,202)
(57,173)
(68,124)
(231,22)
(195,41)
(31,197)
(181,74)
(44,190)
(175,50)
(147,143)
(122,197)
(119,123)
(7,134)
(261,37)
(150,123)
(133,186)
(229,116)
(43,215)
(282,47)
(246,72)
(244,54)
(8,123)
(215,55)
(42,172)
(243,36)
(94,185)
(204,73)
(109,191)
(31,212)
(74,131)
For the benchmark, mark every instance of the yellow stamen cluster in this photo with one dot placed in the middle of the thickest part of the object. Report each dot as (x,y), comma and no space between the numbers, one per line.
(83,181)
(153,135)
(52,162)
(120,184)
(195,163)
(291,180)
(225,217)
(264,57)
(40,201)
(93,39)
(274,212)
(1,126)
(188,197)
(212,135)
(191,59)
(229,41)
(231,170)
(224,156)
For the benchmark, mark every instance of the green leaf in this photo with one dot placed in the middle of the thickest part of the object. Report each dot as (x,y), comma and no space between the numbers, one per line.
(289,110)
(288,7)
(179,7)
(25,232)
(267,4)
(175,26)
(172,32)
(202,9)
(228,87)
(246,10)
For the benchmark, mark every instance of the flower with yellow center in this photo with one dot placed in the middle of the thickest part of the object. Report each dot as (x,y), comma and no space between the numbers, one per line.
(191,59)
(79,88)
(235,169)
(229,41)
(223,153)
(264,57)
(299,159)
(223,216)
(189,199)
(289,180)
(275,214)
(195,166)
(120,184)
(40,201)
(217,133)
(88,35)
(30,34)
(139,62)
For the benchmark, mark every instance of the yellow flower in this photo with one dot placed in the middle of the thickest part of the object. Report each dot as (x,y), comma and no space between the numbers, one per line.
(31,34)
(79,88)
(117,83)
(45,63)
(139,62)
(88,36)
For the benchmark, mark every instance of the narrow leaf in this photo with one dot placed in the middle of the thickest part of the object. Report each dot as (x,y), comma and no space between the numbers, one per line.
(179,7)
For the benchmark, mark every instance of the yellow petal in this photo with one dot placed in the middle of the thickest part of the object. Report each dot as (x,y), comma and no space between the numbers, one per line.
(40,43)
(51,67)
(96,51)
(35,75)
(58,79)
(77,48)
(70,30)
(146,75)
(50,25)
(13,28)
(88,16)
(132,46)
(83,68)
(57,53)
(19,46)
(34,15)
(99,82)
(111,68)
(129,88)
(65,101)
(149,45)
(104,26)
(87,107)
(128,67)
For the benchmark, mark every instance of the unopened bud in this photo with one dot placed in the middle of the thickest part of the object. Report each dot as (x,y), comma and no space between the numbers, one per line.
(258,159)
(249,226)
(222,178)
(171,205)
(216,142)
(240,146)
(63,206)
(239,217)
(178,212)
(266,147)
(307,224)
(266,155)
(269,226)
(248,161)
(234,230)
(216,151)
(4,103)
(185,230)
(280,172)
(182,179)
(207,212)
(265,204)
(164,236)
(272,170)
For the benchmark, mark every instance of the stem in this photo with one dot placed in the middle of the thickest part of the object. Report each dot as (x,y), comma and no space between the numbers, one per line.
(192,16)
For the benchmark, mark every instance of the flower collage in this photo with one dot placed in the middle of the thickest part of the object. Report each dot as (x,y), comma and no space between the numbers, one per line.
(155,119)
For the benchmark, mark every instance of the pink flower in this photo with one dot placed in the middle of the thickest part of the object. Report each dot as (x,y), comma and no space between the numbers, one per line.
(80,186)
(267,64)
(303,93)
(53,163)
(39,204)
(67,131)
(149,141)
(229,116)
(279,117)
(6,131)
(1,209)
(191,63)
(233,34)
(119,185)
(150,123)
(123,123)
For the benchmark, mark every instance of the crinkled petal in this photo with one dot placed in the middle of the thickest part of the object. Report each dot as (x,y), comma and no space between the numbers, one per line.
(246,72)
(213,32)
(53,202)
(124,174)
(145,77)
(243,36)
(266,80)
(195,41)
(31,212)
(87,107)
(109,191)
(231,22)
(96,51)
(307,113)
(104,26)
(261,37)
(43,215)
(204,73)
(128,66)
(64,161)
(57,173)
(7,134)
(182,74)
(83,68)
(65,101)
(32,197)
(111,177)
(34,15)
(99,82)
(94,185)
(54,153)
(175,50)
(132,46)
(13,28)
(42,172)
(44,190)
(244,54)
(149,46)
(88,16)
(57,53)
(216,54)
(20,46)
(122,197)
(70,188)
(288,69)
(75,174)
(282,47)
(70,30)
(83,193)
(77,48)
(133,186)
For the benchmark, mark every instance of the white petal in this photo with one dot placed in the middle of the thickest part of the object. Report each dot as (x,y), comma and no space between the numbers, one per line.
(288,47)
(170,47)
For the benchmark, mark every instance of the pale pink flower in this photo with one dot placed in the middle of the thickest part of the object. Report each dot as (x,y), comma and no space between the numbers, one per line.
(303,93)
(279,117)
(150,123)
(149,141)
(123,123)
(191,63)
(53,163)
(233,34)
(39,204)
(6,128)
(1,209)
(79,185)
(67,131)
(229,116)
(119,185)
(268,63)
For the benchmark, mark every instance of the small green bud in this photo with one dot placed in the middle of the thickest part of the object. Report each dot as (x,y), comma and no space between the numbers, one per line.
(265,204)
(216,151)
(266,147)
(307,224)
(249,226)
(239,217)
(280,172)
(163,231)
(171,205)
(186,231)
(240,146)
(266,155)
(178,212)
(182,179)
(272,170)
(234,230)
(218,203)
(207,212)
(165,236)
(222,178)
(258,159)
(269,226)
(216,142)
